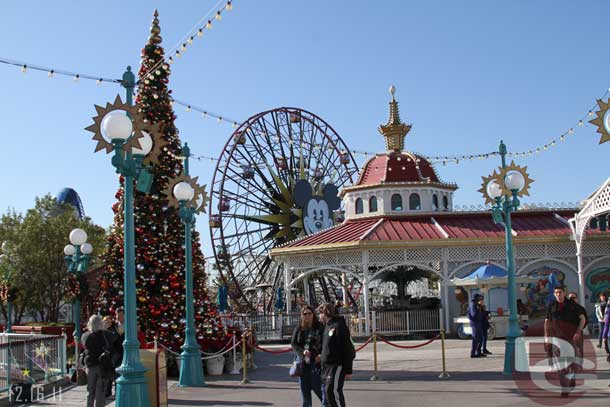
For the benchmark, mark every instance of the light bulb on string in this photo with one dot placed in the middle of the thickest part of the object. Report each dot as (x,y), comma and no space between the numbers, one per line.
(234,125)
(200,32)
(190,41)
(178,54)
(218,17)
(204,115)
(562,138)
(171,60)
(24,68)
(188,108)
(229,6)
(51,73)
(571,131)
(209,25)
(183,47)
(219,119)
(590,113)
(77,78)
(99,81)
(580,123)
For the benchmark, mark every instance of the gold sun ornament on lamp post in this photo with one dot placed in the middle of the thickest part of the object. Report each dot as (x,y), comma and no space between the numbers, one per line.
(502,189)
(602,121)
(121,108)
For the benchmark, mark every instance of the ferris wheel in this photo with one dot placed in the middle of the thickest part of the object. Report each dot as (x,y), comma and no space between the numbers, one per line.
(277,179)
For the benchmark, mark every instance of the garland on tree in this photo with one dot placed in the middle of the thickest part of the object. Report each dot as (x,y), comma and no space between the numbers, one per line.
(76,288)
(159,232)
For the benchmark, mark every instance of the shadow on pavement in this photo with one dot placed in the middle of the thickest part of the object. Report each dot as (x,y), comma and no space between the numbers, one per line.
(173,402)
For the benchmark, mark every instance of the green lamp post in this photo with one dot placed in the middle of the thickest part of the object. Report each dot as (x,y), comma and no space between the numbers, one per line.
(502,189)
(7,274)
(119,127)
(78,256)
(184,193)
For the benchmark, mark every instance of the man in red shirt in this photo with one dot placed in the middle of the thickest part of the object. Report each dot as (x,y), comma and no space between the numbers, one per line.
(565,320)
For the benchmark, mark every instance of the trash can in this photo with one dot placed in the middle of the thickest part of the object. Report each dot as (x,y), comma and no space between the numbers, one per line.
(156,376)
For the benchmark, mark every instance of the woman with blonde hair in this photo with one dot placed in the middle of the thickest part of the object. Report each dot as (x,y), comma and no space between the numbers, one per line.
(97,341)
(307,344)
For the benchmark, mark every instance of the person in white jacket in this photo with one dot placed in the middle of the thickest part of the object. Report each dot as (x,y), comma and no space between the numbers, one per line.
(600,313)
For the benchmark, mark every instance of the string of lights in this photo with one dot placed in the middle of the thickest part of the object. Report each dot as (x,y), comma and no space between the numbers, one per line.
(196,32)
(189,107)
(444,160)
(51,72)
(449,159)
(457,159)
(177,51)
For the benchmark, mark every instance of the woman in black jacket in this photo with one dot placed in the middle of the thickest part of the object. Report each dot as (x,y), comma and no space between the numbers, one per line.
(307,344)
(97,340)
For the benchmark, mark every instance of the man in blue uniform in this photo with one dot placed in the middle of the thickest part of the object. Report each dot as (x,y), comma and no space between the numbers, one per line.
(476,316)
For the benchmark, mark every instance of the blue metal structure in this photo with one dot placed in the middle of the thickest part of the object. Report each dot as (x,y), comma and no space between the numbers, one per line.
(70,196)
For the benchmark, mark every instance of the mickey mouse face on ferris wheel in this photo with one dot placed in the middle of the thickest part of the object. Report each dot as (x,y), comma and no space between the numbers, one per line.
(317,210)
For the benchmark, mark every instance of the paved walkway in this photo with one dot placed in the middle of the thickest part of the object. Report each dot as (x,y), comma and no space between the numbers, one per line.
(408,378)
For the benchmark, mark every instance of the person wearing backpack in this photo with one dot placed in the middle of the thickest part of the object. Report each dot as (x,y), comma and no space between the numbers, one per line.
(337,356)
(97,357)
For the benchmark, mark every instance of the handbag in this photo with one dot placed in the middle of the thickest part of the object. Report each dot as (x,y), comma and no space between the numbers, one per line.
(79,377)
(297,367)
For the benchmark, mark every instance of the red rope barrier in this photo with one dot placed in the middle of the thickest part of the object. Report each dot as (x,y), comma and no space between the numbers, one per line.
(359,348)
(408,347)
(273,351)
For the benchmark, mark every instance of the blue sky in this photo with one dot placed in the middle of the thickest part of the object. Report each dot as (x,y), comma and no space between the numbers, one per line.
(467,75)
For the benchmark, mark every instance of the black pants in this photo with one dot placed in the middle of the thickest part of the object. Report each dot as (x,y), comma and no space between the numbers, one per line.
(333,377)
(477,340)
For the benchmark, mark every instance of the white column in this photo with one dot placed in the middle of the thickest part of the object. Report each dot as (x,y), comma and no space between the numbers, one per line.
(444,301)
(445,283)
(287,293)
(365,270)
(344,289)
(306,286)
(581,275)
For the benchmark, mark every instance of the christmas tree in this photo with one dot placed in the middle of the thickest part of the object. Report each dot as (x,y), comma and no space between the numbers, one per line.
(159,233)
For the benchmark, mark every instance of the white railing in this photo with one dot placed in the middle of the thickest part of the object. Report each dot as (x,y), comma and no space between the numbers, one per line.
(407,322)
(281,326)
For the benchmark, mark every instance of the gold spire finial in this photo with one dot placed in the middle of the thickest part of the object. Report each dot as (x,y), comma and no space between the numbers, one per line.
(394,131)
(155,30)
